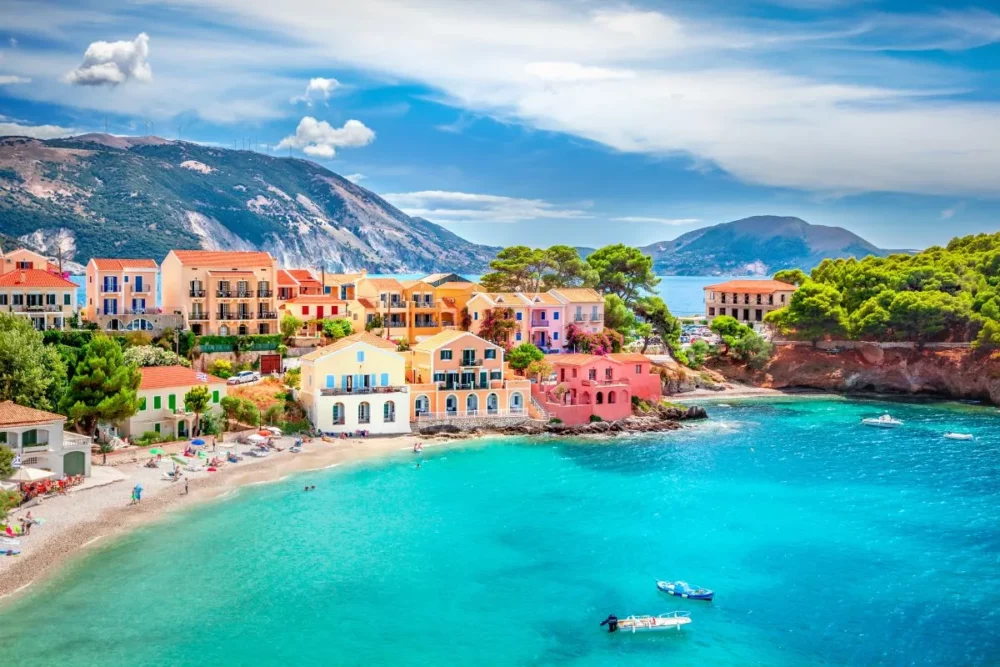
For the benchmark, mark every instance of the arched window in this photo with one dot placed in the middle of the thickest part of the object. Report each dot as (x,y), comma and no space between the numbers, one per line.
(141,324)
(243,330)
(611,397)
(223,330)
(451,404)
(389,412)
(472,404)
(492,404)
(600,398)
(338,413)
(585,398)
(115,325)
(364,413)
(516,402)
(422,405)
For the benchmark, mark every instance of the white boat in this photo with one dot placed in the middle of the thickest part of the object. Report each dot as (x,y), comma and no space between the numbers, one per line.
(958,436)
(884,421)
(672,621)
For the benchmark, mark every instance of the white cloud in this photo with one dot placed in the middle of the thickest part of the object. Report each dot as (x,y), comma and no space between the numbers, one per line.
(575,72)
(112,63)
(36,131)
(949,213)
(355,178)
(317,89)
(10,79)
(443,206)
(658,221)
(13,42)
(318,138)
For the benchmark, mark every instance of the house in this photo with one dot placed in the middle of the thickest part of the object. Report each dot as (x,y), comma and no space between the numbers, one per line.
(161,401)
(38,439)
(222,292)
(456,374)
(746,300)
(22,258)
(584,308)
(47,299)
(342,284)
(438,279)
(121,296)
(509,305)
(586,385)
(311,308)
(357,383)
(293,283)
(543,318)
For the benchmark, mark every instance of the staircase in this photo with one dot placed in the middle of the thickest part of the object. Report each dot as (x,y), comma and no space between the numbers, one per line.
(538,411)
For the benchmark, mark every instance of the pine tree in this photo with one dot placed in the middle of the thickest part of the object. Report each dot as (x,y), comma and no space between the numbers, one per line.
(104,387)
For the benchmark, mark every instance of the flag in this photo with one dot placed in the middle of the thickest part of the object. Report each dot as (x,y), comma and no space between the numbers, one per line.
(16,463)
(202,377)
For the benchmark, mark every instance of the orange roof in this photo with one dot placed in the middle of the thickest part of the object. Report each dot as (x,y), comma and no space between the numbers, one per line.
(577,359)
(12,414)
(232,258)
(385,283)
(121,264)
(630,357)
(367,303)
(226,273)
(302,275)
(543,297)
(34,278)
(285,279)
(457,284)
(752,286)
(161,377)
(579,294)
(361,337)
(316,298)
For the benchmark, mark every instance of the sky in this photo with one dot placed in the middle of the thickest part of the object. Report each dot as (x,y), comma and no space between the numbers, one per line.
(544,121)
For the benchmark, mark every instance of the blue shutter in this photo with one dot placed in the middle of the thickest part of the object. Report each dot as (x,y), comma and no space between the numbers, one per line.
(373,381)
(555,315)
(385,379)
(357,381)
(329,382)
(343,382)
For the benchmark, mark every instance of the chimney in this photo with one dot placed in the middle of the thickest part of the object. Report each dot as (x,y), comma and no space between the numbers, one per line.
(24,277)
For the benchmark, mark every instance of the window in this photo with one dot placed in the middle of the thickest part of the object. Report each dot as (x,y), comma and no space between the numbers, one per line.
(384,380)
(126,278)
(66,299)
(496,375)
(445,355)
(305,310)
(722,311)
(518,336)
(329,382)
(50,299)
(592,374)
(364,413)
(518,317)
(172,401)
(389,412)
(711,311)
(3,437)
(638,369)
(18,299)
(543,314)
(439,377)
(490,353)
(215,396)
(156,427)
(782,298)
(157,404)
(142,403)
(475,316)
(555,335)
(608,373)
(29,438)
(361,356)
(3,299)
(555,315)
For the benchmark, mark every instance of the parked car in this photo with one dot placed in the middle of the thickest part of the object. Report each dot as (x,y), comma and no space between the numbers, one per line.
(243,377)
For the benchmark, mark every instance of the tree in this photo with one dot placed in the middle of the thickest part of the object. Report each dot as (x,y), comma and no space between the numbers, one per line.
(617,315)
(197,400)
(290,326)
(567,269)
(988,339)
(104,387)
(337,328)
(730,330)
(922,316)
(753,350)
(538,369)
(8,501)
(813,312)
(521,356)
(623,271)
(6,462)
(274,414)
(465,320)
(31,373)
(696,353)
(517,269)
(105,447)
(374,323)
(497,325)
(653,309)
(644,330)
(248,413)
(791,276)
(222,368)
(231,407)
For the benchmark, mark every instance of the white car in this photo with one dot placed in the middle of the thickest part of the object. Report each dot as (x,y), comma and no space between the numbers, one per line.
(243,377)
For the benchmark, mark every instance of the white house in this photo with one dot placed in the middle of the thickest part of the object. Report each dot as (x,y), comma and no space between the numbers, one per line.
(161,401)
(38,440)
(358,383)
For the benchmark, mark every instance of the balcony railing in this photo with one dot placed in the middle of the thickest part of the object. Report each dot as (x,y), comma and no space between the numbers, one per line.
(463,386)
(605,382)
(110,288)
(471,414)
(198,317)
(422,304)
(142,289)
(466,361)
(245,316)
(425,325)
(267,315)
(596,318)
(225,294)
(244,294)
(541,323)
(579,318)
(224,316)
(356,391)
(40,308)
(197,293)
(131,311)
(264,293)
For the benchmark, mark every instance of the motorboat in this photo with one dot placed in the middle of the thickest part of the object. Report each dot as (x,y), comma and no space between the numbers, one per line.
(670,621)
(882,421)
(684,590)
(958,436)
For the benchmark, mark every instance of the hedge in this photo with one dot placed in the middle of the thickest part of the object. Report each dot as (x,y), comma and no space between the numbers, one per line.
(255,342)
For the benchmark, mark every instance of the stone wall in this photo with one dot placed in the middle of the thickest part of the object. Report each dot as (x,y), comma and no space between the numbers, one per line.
(464,424)
(862,344)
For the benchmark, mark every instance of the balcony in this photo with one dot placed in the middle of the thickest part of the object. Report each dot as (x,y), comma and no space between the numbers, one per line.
(468,362)
(196,293)
(605,382)
(244,294)
(267,315)
(597,318)
(245,316)
(225,294)
(198,317)
(264,293)
(225,316)
(421,303)
(359,391)
(425,325)
(36,308)
(579,318)
(541,323)
(110,288)
(145,288)
(462,386)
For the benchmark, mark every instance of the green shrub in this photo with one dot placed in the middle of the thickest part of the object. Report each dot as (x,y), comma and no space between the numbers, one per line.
(149,438)
(555,420)
(222,368)
(596,418)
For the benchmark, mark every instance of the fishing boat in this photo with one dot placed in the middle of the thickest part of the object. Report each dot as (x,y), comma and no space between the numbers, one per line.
(684,590)
(671,621)
(958,436)
(883,421)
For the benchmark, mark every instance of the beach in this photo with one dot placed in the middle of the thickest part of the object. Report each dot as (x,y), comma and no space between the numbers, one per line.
(85,517)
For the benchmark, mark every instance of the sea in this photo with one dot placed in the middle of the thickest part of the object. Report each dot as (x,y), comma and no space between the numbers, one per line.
(826,542)
(683,294)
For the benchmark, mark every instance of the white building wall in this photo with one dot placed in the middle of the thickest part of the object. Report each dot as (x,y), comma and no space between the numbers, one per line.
(322,409)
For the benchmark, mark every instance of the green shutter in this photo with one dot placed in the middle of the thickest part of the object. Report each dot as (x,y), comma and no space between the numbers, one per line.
(172,401)
(157,404)
(215,396)
(156,427)
(142,403)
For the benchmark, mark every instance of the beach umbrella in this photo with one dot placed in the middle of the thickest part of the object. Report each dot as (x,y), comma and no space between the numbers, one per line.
(25,474)
(156,450)
(273,429)
(257,438)
(264,434)
(197,442)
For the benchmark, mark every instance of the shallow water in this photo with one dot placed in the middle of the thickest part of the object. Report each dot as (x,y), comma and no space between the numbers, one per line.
(826,542)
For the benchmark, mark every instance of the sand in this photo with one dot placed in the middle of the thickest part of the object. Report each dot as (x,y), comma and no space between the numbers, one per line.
(82,518)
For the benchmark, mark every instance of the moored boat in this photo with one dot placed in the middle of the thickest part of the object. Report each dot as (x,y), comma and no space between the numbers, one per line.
(684,590)
(671,621)
(958,436)
(883,421)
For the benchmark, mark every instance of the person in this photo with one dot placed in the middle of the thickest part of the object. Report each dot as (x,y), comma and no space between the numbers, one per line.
(213,443)
(28,523)
(612,622)
(186,486)
(312,488)
(133,501)
(306,489)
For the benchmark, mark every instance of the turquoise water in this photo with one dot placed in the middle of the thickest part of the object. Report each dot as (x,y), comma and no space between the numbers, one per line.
(827,543)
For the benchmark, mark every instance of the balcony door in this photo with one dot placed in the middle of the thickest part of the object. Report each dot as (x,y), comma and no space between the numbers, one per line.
(111,306)
(137,284)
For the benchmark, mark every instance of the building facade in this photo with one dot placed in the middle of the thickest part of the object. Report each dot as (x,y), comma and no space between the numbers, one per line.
(456,374)
(592,385)
(543,318)
(161,401)
(222,293)
(22,258)
(356,384)
(39,441)
(46,299)
(121,296)
(746,300)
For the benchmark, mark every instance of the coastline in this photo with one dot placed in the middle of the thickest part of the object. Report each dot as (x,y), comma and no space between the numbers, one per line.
(76,522)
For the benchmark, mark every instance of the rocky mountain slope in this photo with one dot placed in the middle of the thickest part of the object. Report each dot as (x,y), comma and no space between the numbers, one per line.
(759,245)
(100,195)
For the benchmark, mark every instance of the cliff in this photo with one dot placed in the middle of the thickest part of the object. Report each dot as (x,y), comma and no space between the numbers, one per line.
(953,373)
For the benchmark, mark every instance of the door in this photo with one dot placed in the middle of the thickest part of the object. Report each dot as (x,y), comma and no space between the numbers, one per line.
(472,404)
(451,405)
(74,463)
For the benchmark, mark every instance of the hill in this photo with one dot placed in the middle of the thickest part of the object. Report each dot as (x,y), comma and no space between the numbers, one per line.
(101,195)
(759,245)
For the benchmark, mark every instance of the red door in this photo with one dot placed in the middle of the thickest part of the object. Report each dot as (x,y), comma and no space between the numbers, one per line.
(270,363)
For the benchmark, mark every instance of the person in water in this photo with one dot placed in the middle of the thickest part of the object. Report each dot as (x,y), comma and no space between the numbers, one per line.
(612,622)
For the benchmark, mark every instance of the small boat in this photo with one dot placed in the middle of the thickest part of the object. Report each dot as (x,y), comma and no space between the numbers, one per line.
(883,421)
(958,436)
(683,590)
(672,621)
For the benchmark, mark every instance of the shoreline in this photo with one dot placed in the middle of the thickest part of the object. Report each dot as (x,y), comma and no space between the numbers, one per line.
(80,520)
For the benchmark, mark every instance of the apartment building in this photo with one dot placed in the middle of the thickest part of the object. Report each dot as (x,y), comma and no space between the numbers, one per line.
(121,296)
(293,283)
(584,308)
(22,258)
(746,300)
(46,299)
(222,292)
(543,318)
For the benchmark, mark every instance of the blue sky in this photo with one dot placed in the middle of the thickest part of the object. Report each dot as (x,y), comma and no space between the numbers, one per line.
(540,121)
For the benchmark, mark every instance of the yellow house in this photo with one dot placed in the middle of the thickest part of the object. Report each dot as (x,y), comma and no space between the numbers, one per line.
(161,401)
(356,384)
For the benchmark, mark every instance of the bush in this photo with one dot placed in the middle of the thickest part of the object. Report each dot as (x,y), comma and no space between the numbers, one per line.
(753,350)
(149,438)
(8,501)
(596,418)
(555,420)
(151,355)
(222,368)
(293,377)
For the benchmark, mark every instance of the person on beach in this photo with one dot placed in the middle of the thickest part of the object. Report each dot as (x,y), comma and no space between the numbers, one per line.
(185,486)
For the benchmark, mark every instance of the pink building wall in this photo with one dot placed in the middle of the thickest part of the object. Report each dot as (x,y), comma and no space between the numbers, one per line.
(594,385)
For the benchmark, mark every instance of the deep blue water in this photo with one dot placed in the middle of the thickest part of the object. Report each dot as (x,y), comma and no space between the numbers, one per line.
(827,543)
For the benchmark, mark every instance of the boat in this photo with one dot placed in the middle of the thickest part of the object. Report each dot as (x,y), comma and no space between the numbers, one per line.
(670,621)
(958,436)
(883,421)
(683,590)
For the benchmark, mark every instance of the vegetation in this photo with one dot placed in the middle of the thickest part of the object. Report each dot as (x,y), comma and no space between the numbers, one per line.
(538,369)
(6,462)
(31,373)
(104,387)
(152,355)
(623,271)
(596,418)
(290,326)
(605,342)
(336,329)
(8,499)
(293,377)
(497,326)
(696,353)
(523,269)
(221,368)
(149,438)
(197,400)
(618,316)
(523,355)
(753,350)
(374,323)
(653,311)
(105,447)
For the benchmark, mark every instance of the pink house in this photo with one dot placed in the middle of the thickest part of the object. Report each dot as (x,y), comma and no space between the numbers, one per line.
(587,385)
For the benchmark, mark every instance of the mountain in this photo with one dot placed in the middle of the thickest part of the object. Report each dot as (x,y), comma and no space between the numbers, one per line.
(759,245)
(98,195)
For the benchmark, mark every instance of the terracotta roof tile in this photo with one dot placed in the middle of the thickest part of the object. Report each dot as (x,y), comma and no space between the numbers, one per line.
(120,264)
(303,275)
(161,377)
(285,279)
(578,295)
(34,278)
(12,414)
(630,357)
(316,298)
(231,258)
(367,303)
(385,283)
(752,286)
(577,359)
(361,337)
(443,338)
